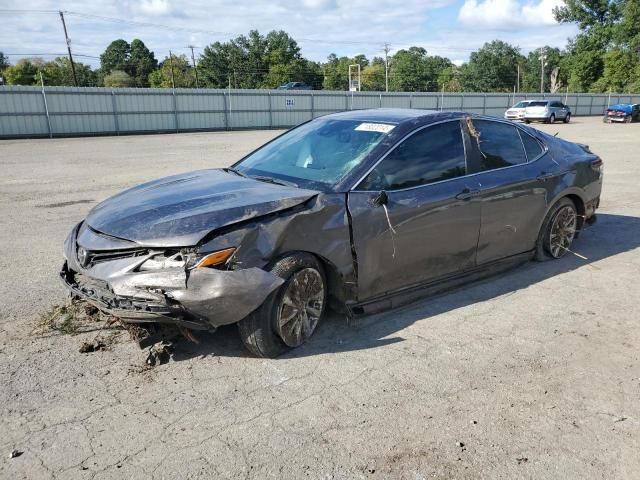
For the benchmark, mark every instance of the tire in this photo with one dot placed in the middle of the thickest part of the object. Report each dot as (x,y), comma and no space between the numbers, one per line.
(567,119)
(527,122)
(548,248)
(627,119)
(262,331)
(552,118)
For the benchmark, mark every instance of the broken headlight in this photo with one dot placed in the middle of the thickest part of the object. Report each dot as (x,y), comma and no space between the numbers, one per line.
(185,260)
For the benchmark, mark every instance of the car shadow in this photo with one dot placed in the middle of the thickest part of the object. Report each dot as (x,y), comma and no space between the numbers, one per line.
(611,235)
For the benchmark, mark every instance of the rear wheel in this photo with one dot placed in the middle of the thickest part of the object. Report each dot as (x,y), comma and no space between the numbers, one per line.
(627,119)
(558,231)
(527,122)
(289,316)
(552,118)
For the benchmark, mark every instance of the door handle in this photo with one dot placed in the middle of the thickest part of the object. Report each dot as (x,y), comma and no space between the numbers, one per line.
(467,193)
(545,176)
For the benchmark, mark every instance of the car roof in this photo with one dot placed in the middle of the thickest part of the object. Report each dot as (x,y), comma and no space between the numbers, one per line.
(394,116)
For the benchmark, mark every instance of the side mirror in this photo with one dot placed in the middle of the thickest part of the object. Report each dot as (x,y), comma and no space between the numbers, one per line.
(380,199)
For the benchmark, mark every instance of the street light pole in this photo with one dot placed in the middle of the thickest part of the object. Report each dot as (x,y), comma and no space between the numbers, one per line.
(386,67)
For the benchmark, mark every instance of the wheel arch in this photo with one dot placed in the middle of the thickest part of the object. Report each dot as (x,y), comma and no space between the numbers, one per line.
(337,289)
(577,197)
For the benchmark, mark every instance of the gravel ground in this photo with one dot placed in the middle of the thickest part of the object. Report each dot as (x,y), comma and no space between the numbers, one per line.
(532,374)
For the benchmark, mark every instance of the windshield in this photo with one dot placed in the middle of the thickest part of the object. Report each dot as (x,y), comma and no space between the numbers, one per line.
(316,154)
(520,105)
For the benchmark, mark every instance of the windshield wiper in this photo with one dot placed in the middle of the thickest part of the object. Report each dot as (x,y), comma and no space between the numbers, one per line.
(237,172)
(277,181)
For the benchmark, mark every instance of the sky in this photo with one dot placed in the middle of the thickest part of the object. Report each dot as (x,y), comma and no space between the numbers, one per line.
(450,28)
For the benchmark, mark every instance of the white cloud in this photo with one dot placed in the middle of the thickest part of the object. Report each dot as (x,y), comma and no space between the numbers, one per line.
(155,7)
(507,14)
(320,4)
(489,13)
(542,11)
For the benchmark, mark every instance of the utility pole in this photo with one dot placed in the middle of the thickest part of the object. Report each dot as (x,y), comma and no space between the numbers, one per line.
(518,78)
(195,67)
(543,57)
(173,81)
(386,66)
(66,37)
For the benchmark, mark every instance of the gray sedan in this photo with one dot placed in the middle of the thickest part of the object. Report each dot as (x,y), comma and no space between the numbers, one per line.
(361,211)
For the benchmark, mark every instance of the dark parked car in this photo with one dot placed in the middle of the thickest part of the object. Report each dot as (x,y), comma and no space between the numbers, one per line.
(622,112)
(361,210)
(547,111)
(295,86)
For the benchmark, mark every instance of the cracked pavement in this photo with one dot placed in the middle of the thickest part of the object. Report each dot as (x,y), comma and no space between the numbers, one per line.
(531,374)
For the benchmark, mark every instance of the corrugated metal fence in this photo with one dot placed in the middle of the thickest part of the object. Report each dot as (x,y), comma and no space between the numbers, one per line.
(65,111)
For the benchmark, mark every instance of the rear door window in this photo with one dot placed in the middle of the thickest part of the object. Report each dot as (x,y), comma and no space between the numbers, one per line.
(497,145)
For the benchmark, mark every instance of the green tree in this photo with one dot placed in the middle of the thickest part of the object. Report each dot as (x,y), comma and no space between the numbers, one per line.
(24,72)
(135,59)
(176,69)
(415,70)
(595,18)
(141,63)
(449,78)
(301,70)
(530,70)
(115,57)
(58,72)
(373,78)
(254,61)
(617,75)
(118,79)
(4,62)
(336,71)
(493,68)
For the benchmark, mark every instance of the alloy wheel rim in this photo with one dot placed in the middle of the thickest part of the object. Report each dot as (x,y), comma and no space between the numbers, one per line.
(563,231)
(301,307)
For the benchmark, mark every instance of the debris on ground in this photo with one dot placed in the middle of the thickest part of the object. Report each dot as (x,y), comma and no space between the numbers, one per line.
(159,354)
(72,318)
(15,453)
(94,346)
(522,460)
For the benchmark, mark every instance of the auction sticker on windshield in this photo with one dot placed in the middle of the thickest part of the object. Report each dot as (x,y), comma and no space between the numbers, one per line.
(375,127)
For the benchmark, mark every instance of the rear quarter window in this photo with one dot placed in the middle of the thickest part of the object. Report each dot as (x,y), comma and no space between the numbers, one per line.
(532,147)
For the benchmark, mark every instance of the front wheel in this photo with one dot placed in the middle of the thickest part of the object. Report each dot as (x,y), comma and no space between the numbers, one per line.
(627,119)
(567,119)
(289,316)
(558,231)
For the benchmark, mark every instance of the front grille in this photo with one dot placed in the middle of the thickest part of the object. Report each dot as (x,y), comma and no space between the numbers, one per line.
(97,256)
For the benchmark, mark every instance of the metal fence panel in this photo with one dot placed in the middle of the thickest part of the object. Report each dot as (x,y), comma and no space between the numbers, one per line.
(95,111)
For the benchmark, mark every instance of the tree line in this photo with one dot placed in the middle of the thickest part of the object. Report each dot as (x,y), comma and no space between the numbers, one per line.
(604,56)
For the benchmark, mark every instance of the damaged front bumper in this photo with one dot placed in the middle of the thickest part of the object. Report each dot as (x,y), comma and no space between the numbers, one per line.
(203,298)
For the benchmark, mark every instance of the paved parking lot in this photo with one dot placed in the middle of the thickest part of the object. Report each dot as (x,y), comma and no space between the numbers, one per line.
(533,374)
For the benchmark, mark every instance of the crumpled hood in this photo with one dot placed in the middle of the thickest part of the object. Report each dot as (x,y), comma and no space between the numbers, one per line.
(180,210)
